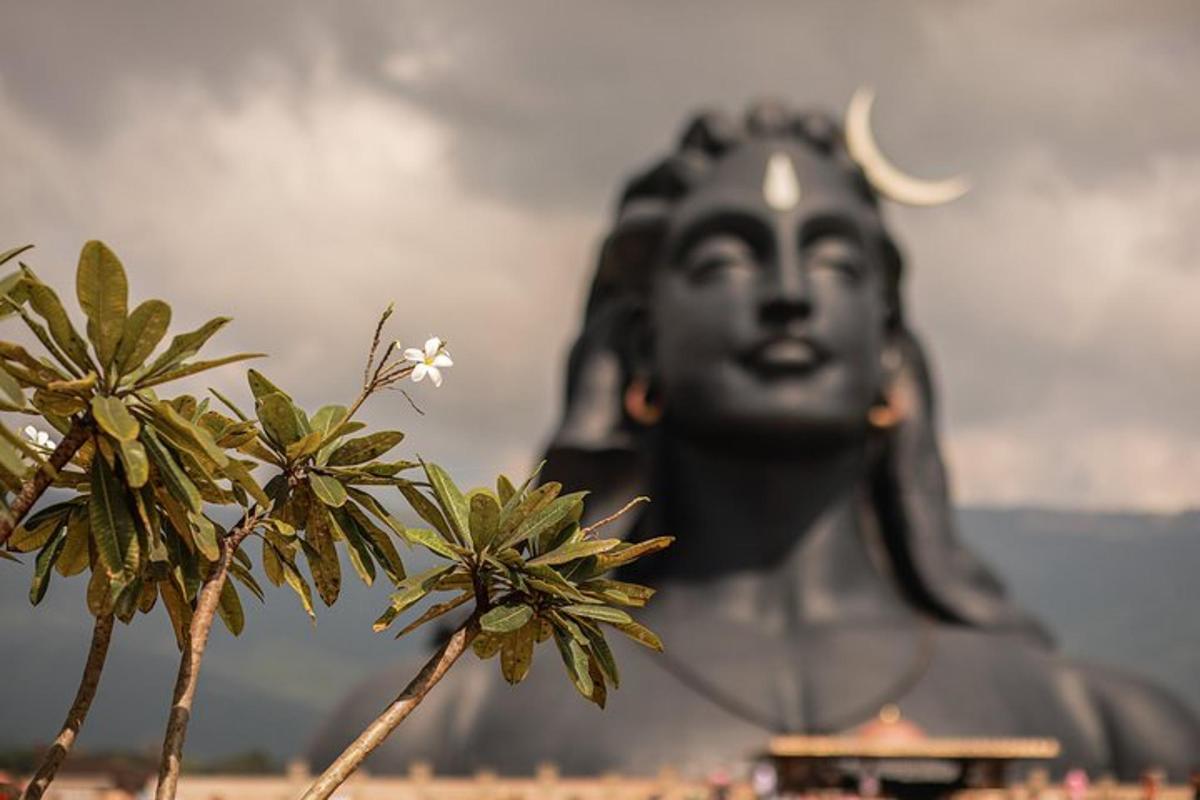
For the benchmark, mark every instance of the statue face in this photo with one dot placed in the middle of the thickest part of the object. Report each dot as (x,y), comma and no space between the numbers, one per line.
(767,308)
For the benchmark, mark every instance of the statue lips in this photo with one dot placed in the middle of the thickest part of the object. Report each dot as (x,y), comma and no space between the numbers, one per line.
(787,355)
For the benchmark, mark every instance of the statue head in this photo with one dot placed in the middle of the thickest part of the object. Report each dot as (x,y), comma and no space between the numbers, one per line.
(749,293)
(770,288)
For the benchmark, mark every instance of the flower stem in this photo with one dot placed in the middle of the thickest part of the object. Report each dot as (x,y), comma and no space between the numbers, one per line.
(54,757)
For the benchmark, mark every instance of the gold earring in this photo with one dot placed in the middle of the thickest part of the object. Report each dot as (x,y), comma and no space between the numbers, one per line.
(885,414)
(638,404)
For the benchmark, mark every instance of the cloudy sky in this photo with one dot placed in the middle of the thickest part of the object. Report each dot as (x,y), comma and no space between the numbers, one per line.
(296,166)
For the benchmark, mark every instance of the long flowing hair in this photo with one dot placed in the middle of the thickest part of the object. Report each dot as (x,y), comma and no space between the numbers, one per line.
(598,446)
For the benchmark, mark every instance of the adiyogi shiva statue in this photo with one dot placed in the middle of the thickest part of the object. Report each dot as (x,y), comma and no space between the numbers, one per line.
(745,360)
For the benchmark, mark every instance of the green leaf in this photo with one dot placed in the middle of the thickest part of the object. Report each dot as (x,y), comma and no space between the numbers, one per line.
(75,557)
(297,583)
(359,551)
(260,387)
(191,436)
(432,541)
(435,611)
(46,303)
(451,499)
(504,489)
(602,653)
(640,634)
(195,367)
(576,661)
(112,524)
(506,618)
(322,555)
(327,418)
(230,609)
(242,574)
(42,565)
(546,579)
(9,255)
(185,345)
(425,509)
(174,478)
(631,552)
(237,472)
(114,418)
(99,595)
(368,501)
(531,503)
(574,550)
(410,591)
(548,520)
(271,564)
(204,533)
(10,390)
(179,612)
(229,404)
(35,531)
(629,594)
(515,498)
(144,329)
(280,419)
(379,542)
(365,448)
(305,446)
(137,465)
(103,292)
(484,519)
(328,490)
(603,613)
(516,653)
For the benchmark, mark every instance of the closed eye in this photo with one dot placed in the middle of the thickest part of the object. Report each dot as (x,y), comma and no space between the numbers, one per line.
(836,254)
(716,253)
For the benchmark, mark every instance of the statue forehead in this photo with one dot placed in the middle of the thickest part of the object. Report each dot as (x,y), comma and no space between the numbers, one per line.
(771,178)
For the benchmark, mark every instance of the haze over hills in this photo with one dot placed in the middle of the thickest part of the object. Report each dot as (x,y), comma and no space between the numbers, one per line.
(1116,588)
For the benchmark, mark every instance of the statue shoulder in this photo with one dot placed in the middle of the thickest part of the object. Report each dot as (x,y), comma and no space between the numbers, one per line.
(1146,724)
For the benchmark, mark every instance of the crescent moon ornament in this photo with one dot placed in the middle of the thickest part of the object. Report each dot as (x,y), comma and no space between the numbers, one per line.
(886,178)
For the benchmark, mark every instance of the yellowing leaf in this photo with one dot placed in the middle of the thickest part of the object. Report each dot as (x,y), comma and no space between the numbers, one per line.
(144,329)
(114,418)
(103,292)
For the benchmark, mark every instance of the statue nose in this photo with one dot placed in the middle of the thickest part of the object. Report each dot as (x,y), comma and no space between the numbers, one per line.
(786,293)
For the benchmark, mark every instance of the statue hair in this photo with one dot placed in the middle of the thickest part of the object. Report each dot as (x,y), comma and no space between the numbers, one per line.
(598,447)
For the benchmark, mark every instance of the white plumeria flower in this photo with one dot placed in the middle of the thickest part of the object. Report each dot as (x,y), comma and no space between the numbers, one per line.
(430,361)
(40,438)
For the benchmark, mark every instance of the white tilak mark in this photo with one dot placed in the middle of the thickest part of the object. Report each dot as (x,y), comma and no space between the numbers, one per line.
(781,188)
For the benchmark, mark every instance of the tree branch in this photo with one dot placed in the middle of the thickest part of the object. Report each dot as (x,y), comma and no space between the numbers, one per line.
(375,733)
(54,757)
(33,487)
(189,663)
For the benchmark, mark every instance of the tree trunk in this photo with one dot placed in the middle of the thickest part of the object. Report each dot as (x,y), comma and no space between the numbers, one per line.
(54,757)
(33,488)
(433,671)
(189,668)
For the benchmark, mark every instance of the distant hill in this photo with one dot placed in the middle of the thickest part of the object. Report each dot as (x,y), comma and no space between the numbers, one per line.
(1115,588)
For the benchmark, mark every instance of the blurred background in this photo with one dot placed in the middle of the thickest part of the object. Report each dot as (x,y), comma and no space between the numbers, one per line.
(296,166)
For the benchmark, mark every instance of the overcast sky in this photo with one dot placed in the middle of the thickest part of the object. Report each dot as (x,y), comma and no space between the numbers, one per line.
(295,166)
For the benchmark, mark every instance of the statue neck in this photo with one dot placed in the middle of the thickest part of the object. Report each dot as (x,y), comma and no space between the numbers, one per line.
(786,539)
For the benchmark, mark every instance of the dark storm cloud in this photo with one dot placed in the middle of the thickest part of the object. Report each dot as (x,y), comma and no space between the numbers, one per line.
(467,154)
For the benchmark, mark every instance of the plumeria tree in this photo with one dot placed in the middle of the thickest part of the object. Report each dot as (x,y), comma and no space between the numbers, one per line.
(148,478)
